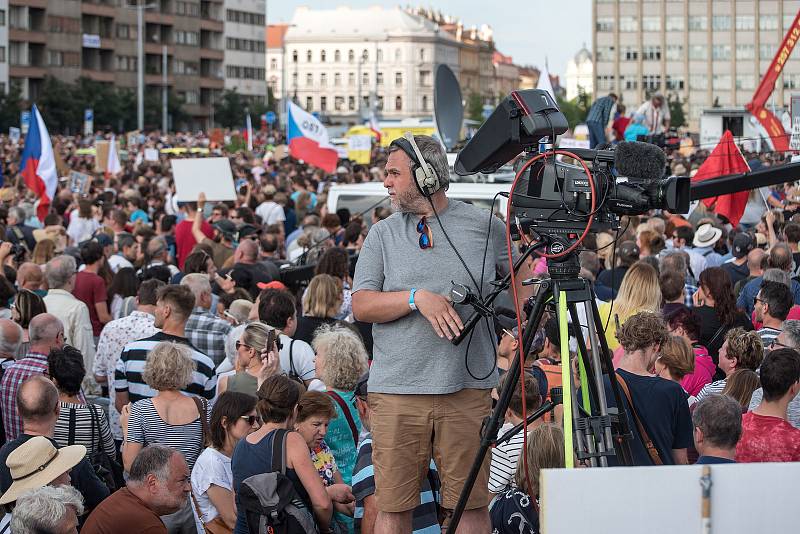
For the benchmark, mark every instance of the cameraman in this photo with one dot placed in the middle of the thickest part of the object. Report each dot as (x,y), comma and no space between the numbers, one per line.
(425,399)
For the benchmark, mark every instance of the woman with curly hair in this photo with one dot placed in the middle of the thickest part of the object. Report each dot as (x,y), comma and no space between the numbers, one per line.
(341,360)
(740,350)
(715,304)
(170,418)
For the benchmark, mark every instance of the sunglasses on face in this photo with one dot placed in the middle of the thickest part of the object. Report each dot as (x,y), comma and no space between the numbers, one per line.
(251,419)
(425,235)
(778,345)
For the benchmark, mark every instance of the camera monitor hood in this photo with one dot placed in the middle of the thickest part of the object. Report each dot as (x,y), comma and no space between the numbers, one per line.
(521,119)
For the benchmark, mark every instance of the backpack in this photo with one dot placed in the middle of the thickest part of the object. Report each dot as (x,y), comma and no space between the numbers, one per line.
(270,501)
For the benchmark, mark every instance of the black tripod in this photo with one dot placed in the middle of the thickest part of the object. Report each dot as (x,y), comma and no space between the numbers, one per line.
(587,425)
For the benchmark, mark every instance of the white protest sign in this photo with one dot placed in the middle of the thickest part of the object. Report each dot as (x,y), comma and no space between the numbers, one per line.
(14,134)
(211,176)
(151,154)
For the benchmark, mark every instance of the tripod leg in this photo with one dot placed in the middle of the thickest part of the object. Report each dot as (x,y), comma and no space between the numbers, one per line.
(605,443)
(568,385)
(492,424)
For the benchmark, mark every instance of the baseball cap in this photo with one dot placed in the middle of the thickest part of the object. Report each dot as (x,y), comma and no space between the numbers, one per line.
(247,230)
(226,227)
(628,252)
(742,244)
(275,284)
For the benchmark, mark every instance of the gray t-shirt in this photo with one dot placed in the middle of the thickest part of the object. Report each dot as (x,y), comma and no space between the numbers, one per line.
(408,356)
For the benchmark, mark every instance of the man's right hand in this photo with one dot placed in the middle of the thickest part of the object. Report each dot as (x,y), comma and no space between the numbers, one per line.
(439,312)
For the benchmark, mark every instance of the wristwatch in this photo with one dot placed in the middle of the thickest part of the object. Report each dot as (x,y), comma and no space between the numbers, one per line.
(411,299)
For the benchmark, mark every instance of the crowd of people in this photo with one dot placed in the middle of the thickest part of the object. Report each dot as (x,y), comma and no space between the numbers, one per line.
(160,370)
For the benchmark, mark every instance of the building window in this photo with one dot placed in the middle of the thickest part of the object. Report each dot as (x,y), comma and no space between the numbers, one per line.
(422,54)
(379,79)
(338,103)
(721,52)
(365,78)
(721,23)
(55,58)
(768,22)
(605,53)
(651,24)
(2,54)
(674,83)
(674,52)
(309,103)
(351,103)
(698,81)
(323,103)
(365,55)
(2,20)
(308,56)
(323,79)
(628,24)
(244,45)
(425,78)
(698,23)
(721,81)
(397,54)
(337,56)
(628,53)
(745,51)
(748,82)
(248,73)
(192,97)
(675,24)
(698,52)
(245,17)
(767,51)
(273,64)
(379,103)
(605,83)
(294,56)
(187,38)
(651,82)
(337,79)
(294,79)
(745,22)
(322,56)
(351,79)
(605,24)
(629,83)
(398,79)
(424,103)
(380,55)
(651,53)
(309,80)
(398,103)
(351,56)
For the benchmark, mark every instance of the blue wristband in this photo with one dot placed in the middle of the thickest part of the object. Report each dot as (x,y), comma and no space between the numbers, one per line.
(411,300)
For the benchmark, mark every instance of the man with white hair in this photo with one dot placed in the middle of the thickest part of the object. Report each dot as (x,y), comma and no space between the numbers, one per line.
(17,231)
(158,485)
(53,509)
(73,313)
(204,329)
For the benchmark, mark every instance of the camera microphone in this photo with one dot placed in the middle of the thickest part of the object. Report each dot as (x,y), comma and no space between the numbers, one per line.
(640,160)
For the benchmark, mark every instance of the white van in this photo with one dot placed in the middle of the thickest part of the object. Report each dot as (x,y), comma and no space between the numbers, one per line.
(363,198)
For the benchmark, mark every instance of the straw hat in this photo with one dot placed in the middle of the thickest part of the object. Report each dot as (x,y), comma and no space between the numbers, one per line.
(36,463)
(706,235)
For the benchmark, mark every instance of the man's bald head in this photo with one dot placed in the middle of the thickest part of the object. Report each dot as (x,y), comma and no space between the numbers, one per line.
(248,250)
(780,257)
(45,327)
(37,400)
(755,258)
(30,276)
(10,338)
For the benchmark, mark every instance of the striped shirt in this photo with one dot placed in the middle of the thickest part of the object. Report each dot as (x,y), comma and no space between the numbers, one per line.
(130,367)
(714,387)
(768,335)
(145,426)
(89,429)
(425,516)
(504,460)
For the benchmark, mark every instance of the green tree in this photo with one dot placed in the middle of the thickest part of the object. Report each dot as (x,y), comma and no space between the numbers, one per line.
(575,110)
(10,107)
(677,116)
(475,107)
(61,106)
(229,109)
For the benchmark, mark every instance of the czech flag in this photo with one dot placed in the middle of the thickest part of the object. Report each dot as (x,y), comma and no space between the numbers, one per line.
(308,140)
(725,159)
(39,164)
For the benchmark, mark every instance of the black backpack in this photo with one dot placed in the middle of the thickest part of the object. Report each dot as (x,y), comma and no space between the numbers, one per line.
(107,469)
(270,501)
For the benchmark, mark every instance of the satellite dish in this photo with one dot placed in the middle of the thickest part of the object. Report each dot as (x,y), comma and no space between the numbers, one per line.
(447,107)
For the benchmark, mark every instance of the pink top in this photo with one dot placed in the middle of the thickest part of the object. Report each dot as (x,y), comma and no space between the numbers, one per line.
(704,369)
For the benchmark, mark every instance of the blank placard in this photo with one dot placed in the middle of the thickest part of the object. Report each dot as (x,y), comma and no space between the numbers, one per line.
(211,176)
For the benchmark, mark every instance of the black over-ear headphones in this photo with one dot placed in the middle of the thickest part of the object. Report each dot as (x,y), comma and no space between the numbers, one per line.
(424,176)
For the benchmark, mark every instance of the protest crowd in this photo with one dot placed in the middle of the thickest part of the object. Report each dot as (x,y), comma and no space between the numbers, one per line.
(161,373)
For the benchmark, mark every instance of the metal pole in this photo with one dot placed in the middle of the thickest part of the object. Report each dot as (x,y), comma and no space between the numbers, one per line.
(140,67)
(164,118)
(358,75)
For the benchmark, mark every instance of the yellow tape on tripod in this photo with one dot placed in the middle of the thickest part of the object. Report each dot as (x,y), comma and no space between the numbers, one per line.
(566,383)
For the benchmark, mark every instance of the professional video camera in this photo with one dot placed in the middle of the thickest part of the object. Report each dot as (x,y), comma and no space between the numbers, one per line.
(554,193)
(669,140)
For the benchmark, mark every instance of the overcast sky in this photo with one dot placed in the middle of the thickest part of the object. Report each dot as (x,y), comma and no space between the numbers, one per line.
(529,31)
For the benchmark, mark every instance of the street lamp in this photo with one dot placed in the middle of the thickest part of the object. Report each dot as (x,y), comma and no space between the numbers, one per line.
(140,7)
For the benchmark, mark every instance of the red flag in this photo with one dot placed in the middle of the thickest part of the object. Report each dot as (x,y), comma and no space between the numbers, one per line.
(725,159)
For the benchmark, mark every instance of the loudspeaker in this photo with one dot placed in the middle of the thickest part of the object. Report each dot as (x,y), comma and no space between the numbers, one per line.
(447,107)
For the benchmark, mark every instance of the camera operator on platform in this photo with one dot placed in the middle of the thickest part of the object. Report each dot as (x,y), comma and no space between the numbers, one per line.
(426,401)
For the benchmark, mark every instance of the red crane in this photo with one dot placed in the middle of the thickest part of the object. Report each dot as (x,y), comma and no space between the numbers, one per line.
(771,123)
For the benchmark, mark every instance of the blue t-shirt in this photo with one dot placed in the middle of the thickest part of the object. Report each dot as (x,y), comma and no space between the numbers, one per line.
(140,215)
(340,437)
(663,409)
(424,518)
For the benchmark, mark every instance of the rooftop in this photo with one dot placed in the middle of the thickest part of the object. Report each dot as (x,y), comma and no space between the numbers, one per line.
(372,22)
